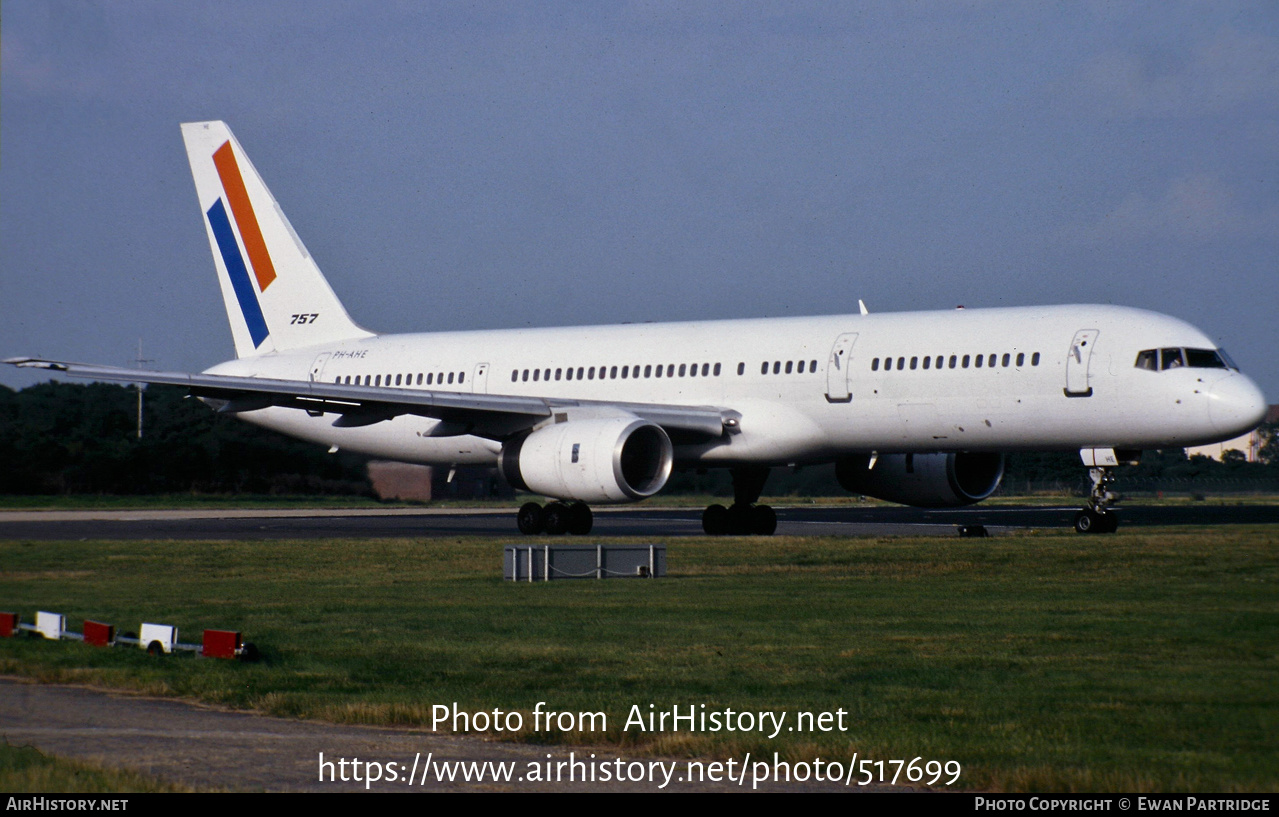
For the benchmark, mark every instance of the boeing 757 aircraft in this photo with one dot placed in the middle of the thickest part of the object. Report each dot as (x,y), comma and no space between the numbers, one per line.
(917,408)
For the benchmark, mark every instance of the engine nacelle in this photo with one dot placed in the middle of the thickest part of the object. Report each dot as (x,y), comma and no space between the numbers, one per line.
(923,480)
(610,459)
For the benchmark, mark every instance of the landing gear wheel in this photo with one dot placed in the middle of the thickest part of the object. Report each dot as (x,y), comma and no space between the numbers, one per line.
(739,520)
(531,519)
(715,520)
(763,520)
(580,519)
(555,519)
(1090,521)
(1085,521)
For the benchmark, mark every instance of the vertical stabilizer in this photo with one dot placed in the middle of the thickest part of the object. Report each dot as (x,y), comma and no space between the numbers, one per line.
(276,297)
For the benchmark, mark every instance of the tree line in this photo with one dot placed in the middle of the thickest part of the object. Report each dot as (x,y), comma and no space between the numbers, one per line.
(70,438)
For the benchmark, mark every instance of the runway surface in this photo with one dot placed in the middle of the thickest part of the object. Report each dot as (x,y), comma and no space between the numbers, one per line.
(871,520)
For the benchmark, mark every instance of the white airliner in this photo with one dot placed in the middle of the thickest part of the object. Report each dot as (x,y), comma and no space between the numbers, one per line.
(917,408)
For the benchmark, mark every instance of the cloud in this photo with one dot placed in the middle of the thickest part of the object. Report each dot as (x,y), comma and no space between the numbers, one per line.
(1197,208)
(1228,70)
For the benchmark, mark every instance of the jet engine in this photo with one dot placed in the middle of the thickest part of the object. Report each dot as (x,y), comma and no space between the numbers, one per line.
(923,480)
(612,459)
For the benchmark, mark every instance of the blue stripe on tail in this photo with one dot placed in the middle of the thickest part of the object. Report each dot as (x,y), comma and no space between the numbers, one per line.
(244,291)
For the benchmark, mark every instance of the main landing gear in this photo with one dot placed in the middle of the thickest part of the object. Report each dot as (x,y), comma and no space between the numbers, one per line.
(1096,517)
(557,518)
(743,517)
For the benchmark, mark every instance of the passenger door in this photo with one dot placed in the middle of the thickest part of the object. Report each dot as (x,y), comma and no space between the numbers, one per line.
(839,369)
(1077,362)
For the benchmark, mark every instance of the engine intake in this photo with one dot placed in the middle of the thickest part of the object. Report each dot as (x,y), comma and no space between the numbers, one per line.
(923,480)
(613,459)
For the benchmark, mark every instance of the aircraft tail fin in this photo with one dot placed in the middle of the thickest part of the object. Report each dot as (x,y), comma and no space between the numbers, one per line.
(276,297)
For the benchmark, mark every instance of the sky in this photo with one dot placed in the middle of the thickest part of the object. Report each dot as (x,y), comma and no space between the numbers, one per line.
(509,164)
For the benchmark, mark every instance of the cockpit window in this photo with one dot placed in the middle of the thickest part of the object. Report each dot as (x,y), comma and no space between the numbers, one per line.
(1204,359)
(1162,359)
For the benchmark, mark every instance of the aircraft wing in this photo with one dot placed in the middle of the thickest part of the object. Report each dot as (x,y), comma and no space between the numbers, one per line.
(494,416)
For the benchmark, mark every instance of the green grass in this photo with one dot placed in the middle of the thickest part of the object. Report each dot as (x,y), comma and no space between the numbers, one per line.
(1143,661)
(27,770)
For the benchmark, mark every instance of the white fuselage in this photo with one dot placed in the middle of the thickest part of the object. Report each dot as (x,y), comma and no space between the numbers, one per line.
(808,389)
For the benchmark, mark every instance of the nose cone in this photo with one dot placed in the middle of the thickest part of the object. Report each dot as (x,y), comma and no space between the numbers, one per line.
(1235,405)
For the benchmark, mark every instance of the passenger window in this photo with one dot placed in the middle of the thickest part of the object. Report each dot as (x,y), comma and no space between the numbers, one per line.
(927,361)
(874,365)
(515,375)
(901,363)
(692,370)
(1006,360)
(559,373)
(1021,359)
(706,369)
(777,367)
(977,362)
(379,380)
(790,365)
(1034,359)
(625,370)
(536,372)
(812,365)
(1148,359)
(612,373)
(716,370)
(670,370)
(461,376)
(953,359)
(451,378)
(580,372)
(524,377)
(590,373)
(682,368)
(1170,358)
(914,362)
(657,371)
(966,359)
(648,370)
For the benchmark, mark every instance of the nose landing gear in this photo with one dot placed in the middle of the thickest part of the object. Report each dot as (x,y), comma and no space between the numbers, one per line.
(1096,516)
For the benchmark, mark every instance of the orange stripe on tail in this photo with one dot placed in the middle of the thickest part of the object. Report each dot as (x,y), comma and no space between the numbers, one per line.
(245,219)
